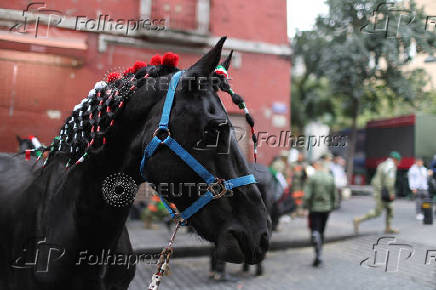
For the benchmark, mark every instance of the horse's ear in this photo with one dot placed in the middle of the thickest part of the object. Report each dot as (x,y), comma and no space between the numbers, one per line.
(227,61)
(19,139)
(207,64)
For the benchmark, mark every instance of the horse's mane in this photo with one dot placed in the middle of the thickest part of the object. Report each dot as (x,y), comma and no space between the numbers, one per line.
(86,128)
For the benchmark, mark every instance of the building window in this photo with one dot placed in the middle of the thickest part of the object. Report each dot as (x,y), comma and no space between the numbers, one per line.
(180,15)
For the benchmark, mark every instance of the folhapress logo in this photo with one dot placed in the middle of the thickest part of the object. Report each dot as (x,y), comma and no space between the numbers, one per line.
(387,254)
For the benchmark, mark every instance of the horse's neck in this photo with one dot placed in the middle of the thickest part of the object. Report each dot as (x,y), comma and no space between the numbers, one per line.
(76,200)
(91,206)
(81,188)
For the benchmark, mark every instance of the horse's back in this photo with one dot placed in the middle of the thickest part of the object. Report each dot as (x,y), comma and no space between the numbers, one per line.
(16,174)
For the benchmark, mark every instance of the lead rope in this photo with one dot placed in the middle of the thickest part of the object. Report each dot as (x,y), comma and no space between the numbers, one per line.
(163,265)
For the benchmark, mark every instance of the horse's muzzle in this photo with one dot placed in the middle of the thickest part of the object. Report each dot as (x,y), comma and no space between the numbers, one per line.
(238,247)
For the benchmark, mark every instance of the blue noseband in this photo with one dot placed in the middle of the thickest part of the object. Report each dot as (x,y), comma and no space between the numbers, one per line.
(216,187)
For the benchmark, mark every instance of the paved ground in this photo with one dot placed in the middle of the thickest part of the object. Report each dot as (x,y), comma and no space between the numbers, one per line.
(295,230)
(291,269)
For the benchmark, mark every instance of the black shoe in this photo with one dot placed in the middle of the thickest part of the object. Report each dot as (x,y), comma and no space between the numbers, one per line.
(317,262)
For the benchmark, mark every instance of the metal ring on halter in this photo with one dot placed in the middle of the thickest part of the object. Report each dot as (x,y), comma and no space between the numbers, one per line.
(159,129)
(218,188)
(178,218)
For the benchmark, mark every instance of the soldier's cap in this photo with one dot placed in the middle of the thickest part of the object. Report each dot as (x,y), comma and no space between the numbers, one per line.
(395,155)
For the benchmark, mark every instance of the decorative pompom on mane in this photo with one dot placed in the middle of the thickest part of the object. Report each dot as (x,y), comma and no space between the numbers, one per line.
(170,59)
(138,65)
(113,76)
(128,71)
(156,60)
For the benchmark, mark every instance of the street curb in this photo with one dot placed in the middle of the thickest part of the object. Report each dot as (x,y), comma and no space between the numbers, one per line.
(204,250)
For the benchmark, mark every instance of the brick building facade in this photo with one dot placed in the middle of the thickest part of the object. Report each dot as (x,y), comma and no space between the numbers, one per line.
(51,55)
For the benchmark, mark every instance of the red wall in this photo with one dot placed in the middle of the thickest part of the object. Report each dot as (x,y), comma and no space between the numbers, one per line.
(261,79)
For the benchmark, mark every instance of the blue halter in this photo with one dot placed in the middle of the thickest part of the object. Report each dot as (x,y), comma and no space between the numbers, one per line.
(216,187)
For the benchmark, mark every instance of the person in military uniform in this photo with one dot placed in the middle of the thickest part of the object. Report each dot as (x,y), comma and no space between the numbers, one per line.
(319,199)
(383,183)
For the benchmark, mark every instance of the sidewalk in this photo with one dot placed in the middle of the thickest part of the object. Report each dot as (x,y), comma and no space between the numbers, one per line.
(293,232)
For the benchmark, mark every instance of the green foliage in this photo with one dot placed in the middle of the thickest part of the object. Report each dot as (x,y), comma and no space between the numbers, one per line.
(311,100)
(363,60)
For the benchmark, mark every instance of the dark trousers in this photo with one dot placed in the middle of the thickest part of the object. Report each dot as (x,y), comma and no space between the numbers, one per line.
(421,194)
(317,222)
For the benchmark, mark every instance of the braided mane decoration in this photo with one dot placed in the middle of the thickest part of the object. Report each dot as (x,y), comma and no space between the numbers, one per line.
(91,119)
(221,72)
(86,129)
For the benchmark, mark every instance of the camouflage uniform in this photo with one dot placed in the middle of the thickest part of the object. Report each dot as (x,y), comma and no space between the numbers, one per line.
(384,177)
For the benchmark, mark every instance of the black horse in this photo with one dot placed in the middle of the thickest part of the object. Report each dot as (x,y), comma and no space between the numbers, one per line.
(268,188)
(51,216)
(27,143)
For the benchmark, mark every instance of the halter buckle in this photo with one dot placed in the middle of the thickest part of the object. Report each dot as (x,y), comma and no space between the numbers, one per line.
(160,129)
(218,188)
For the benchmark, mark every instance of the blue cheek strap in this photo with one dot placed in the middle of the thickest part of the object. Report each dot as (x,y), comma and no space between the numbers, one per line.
(216,187)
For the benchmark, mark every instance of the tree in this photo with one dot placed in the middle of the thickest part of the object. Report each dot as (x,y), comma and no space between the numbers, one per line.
(311,99)
(361,48)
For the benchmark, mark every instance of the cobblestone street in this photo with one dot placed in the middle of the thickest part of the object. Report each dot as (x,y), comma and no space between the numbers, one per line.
(342,269)
(292,269)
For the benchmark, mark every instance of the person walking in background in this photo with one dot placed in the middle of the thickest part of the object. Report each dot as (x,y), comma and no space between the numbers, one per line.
(337,168)
(298,178)
(433,166)
(383,184)
(418,176)
(319,199)
(326,160)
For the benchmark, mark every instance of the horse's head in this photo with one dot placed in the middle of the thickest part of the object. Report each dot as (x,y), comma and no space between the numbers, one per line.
(118,120)
(238,222)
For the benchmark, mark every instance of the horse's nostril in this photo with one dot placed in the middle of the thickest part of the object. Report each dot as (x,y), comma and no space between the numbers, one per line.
(264,242)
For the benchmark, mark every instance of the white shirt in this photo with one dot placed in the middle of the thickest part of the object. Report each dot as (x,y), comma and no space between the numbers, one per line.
(339,174)
(417,177)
